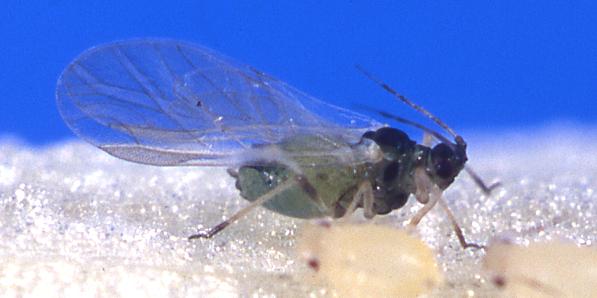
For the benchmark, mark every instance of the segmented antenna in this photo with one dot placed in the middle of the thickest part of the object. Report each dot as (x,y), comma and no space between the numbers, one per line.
(407,101)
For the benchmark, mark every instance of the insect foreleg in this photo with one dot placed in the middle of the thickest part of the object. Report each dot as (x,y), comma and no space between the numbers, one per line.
(457,228)
(427,193)
(242,212)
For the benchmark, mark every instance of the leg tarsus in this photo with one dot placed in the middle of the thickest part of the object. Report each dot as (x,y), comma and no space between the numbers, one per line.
(206,234)
(458,230)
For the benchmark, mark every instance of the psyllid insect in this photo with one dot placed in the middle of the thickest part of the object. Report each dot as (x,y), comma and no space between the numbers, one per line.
(170,103)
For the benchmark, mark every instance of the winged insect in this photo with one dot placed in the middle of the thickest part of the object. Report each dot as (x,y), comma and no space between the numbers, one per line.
(171,103)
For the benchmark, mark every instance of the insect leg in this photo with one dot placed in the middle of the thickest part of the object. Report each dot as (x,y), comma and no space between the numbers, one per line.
(457,228)
(368,199)
(427,193)
(242,212)
(486,189)
(364,194)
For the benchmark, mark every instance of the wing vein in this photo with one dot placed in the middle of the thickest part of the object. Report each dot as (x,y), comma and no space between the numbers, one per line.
(167,102)
(138,76)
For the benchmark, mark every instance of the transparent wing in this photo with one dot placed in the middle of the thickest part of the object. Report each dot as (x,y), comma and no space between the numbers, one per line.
(166,102)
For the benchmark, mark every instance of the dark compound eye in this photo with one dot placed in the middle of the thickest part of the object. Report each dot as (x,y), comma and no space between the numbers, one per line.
(441,155)
(441,151)
(443,169)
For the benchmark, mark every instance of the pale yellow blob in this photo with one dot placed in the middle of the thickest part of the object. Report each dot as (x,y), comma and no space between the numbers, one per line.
(543,269)
(366,260)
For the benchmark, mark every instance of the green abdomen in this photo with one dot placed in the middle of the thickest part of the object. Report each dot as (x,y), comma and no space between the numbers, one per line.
(331,185)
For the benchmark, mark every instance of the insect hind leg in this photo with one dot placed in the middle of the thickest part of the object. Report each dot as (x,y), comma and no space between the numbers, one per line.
(209,233)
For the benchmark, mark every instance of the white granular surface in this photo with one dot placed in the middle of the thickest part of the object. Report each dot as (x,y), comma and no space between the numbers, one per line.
(76,222)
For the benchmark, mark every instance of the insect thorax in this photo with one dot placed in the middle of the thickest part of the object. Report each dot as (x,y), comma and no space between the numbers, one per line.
(328,190)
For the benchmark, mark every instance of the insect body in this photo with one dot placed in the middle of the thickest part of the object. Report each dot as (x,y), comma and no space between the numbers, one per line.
(543,269)
(332,189)
(367,260)
(170,103)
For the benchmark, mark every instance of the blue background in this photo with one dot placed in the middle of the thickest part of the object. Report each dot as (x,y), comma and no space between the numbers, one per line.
(478,65)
